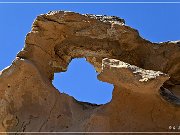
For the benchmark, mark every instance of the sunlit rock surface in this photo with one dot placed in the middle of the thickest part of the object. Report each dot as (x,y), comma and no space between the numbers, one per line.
(146,78)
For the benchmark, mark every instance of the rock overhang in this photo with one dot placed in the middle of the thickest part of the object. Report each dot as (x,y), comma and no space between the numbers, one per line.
(131,77)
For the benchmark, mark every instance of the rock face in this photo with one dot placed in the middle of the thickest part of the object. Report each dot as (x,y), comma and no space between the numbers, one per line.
(146,78)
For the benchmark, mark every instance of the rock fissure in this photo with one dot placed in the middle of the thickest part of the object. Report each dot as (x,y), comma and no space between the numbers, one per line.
(49,115)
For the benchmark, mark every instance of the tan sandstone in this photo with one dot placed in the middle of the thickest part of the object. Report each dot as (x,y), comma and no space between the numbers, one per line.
(145,75)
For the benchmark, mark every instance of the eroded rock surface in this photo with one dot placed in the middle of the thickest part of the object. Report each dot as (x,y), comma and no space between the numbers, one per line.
(146,77)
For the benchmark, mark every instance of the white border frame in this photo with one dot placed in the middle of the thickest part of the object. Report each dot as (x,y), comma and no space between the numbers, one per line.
(91,132)
(98,2)
(113,2)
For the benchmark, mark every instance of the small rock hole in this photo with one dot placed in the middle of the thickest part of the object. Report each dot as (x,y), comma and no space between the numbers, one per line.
(80,81)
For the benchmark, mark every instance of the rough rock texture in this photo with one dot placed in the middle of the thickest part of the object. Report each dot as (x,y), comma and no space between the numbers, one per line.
(146,77)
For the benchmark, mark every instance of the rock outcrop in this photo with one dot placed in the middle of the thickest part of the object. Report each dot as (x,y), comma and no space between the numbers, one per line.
(146,78)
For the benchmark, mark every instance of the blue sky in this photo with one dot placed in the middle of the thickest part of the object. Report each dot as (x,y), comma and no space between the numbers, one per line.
(155,22)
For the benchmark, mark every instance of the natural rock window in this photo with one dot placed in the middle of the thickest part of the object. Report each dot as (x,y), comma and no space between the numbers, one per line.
(80,81)
(145,75)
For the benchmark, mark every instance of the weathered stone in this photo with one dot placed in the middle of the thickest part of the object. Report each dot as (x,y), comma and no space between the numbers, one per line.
(146,77)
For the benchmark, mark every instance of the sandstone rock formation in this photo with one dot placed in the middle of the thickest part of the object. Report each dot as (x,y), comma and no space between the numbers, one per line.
(146,78)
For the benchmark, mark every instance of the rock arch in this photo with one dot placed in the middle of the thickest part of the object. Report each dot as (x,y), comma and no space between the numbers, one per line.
(105,41)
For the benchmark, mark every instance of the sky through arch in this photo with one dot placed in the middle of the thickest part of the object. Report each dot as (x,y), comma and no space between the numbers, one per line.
(80,81)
